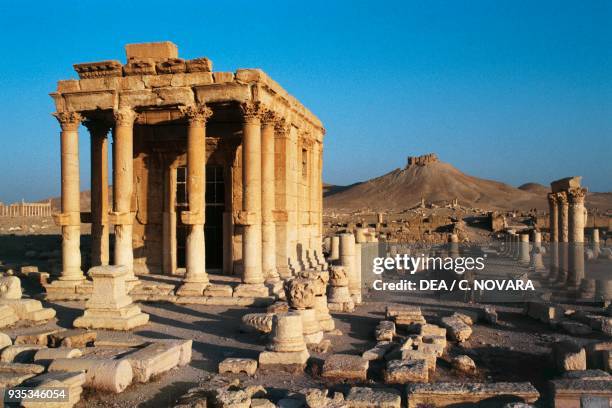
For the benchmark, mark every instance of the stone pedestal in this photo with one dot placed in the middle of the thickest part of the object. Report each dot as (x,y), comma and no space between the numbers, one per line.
(110,307)
(287,346)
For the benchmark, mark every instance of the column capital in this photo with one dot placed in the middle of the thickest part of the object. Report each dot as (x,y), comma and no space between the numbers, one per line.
(68,120)
(125,116)
(282,126)
(562,198)
(252,111)
(97,127)
(269,118)
(576,195)
(196,115)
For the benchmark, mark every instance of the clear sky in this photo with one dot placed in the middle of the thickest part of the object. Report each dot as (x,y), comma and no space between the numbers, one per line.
(512,90)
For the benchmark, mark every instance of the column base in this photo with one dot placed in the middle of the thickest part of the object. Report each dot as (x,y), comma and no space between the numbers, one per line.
(192,289)
(69,289)
(124,318)
(251,290)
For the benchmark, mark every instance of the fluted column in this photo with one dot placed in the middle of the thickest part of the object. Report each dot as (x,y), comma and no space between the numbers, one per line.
(99,192)
(123,184)
(576,222)
(251,198)
(268,227)
(196,278)
(553,222)
(563,235)
(70,217)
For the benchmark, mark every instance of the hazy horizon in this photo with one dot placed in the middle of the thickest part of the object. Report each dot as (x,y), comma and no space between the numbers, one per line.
(511,91)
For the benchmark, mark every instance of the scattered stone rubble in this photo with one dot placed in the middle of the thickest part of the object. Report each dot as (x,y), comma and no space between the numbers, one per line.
(14,308)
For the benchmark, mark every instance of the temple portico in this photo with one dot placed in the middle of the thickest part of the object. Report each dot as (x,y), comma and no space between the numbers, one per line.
(212,172)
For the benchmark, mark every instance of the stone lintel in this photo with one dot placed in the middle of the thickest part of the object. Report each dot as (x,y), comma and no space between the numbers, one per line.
(158,51)
(566,183)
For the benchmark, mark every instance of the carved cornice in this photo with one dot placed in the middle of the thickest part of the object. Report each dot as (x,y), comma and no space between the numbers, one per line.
(252,111)
(552,199)
(125,117)
(562,198)
(68,120)
(97,127)
(196,115)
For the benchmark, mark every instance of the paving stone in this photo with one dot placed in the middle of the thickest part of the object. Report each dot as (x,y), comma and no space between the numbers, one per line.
(238,365)
(345,367)
(365,397)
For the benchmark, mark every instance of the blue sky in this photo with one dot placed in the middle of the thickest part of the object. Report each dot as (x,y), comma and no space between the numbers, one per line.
(515,91)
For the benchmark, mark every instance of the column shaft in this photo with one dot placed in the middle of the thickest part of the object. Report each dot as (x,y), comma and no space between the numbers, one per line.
(99,193)
(123,180)
(70,201)
(251,198)
(268,227)
(563,235)
(576,223)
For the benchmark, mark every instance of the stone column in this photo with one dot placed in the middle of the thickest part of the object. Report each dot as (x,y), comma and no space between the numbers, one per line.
(268,227)
(335,248)
(596,247)
(537,263)
(70,217)
(576,222)
(122,216)
(196,278)
(348,260)
(523,257)
(563,223)
(553,212)
(99,192)
(250,216)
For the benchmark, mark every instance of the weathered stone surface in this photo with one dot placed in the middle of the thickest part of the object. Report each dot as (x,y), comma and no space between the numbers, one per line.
(430,358)
(464,363)
(55,353)
(338,276)
(364,397)
(7,316)
(544,312)
(156,358)
(9,379)
(378,352)
(287,333)
(73,382)
(300,293)
(385,331)
(457,329)
(570,392)
(587,375)
(292,358)
(315,397)
(397,310)
(5,341)
(569,356)
(257,322)
(575,327)
(37,337)
(278,307)
(238,365)
(21,368)
(447,394)
(345,367)
(72,338)
(19,353)
(105,375)
(406,371)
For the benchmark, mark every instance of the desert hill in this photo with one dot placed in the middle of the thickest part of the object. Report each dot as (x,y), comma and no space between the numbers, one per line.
(439,182)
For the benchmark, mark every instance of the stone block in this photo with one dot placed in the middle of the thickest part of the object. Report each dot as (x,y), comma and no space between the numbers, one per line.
(293,358)
(430,358)
(345,367)
(596,353)
(158,51)
(238,365)
(104,375)
(72,338)
(5,341)
(378,352)
(450,394)
(566,183)
(365,397)
(185,349)
(397,310)
(221,77)
(73,381)
(58,352)
(9,379)
(218,290)
(569,356)
(251,290)
(570,392)
(38,337)
(457,329)
(464,363)
(153,359)
(7,316)
(406,371)
(385,331)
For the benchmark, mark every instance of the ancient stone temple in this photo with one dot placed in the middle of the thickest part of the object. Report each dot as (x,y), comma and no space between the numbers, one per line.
(211,171)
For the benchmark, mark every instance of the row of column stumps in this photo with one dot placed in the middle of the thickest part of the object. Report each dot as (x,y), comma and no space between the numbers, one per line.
(260,128)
